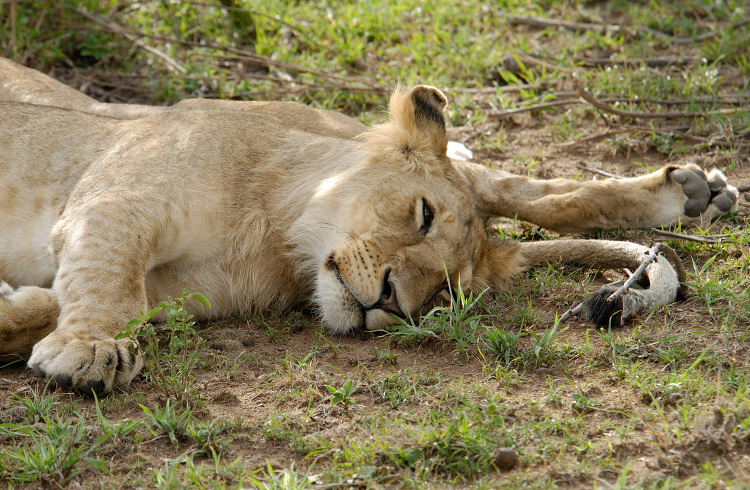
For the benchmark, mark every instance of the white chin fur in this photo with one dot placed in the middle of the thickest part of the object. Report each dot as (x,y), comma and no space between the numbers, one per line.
(339,309)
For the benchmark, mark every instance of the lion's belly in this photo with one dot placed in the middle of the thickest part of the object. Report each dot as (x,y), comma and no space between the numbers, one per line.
(25,225)
(232,287)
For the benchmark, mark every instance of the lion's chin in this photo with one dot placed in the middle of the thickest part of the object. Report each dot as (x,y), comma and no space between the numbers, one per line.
(379,320)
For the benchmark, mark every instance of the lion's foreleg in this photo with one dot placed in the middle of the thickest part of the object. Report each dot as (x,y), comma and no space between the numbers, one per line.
(663,277)
(103,250)
(27,315)
(662,198)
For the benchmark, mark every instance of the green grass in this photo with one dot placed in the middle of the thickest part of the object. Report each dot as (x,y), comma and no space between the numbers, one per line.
(661,403)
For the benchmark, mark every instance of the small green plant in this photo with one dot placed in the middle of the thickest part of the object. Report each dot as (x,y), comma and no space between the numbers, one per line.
(54,452)
(503,345)
(175,423)
(386,355)
(454,322)
(581,404)
(342,395)
(171,368)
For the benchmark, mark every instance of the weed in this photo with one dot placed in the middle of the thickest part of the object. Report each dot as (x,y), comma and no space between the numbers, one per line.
(170,368)
(342,395)
(168,419)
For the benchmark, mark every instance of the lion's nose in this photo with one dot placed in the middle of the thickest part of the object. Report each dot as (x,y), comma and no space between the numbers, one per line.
(388,300)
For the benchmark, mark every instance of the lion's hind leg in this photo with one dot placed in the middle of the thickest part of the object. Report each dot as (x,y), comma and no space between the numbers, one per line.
(27,315)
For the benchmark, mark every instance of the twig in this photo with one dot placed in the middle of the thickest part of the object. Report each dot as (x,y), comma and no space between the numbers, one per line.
(653,62)
(574,26)
(493,90)
(122,31)
(576,310)
(531,60)
(584,26)
(710,34)
(693,238)
(588,97)
(533,107)
(599,172)
(359,64)
(591,137)
(240,54)
(690,137)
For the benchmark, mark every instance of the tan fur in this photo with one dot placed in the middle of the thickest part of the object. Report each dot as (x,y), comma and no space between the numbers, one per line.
(250,204)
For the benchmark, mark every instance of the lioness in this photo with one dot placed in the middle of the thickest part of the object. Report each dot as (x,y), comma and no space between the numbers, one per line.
(250,204)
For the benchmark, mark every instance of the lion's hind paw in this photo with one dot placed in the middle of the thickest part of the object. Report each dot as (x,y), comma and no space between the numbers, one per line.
(85,365)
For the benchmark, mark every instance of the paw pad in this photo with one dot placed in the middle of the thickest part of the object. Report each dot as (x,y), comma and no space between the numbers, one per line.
(703,191)
(695,186)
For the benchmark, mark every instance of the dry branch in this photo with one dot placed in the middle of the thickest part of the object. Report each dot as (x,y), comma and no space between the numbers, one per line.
(602,106)
(358,63)
(631,30)
(241,55)
(652,62)
(133,37)
(710,34)
(574,26)
(692,238)
(599,171)
(533,107)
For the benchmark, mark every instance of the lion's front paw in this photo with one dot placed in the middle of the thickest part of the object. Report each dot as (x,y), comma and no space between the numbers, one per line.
(708,196)
(84,364)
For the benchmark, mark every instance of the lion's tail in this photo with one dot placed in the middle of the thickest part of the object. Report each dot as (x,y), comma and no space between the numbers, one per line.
(663,274)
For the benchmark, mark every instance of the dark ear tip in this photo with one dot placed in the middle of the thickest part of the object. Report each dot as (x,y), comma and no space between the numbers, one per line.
(430,95)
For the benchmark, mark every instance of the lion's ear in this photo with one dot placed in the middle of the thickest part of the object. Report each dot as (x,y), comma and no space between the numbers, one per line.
(498,265)
(419,111)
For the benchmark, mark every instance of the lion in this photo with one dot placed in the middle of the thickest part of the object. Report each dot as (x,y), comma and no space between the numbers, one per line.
(106,210)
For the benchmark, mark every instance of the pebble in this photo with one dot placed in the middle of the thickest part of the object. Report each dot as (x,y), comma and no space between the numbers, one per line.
(506,459)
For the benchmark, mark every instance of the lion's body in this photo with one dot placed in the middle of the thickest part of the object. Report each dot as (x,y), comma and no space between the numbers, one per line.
(258,203)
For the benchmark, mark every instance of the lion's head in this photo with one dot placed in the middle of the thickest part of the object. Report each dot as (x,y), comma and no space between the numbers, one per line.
(398,223)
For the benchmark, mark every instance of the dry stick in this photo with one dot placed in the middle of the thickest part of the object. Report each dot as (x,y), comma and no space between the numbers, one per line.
(652,62)
(122,31)
(710,34)
(554,103)
(582,26)
(246,55)
(575,26)
(689,137)
(576,310)
(307,39)
(586,95)
(604,102)
(531,60)
(599,172)
(591,137)
(692,238)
